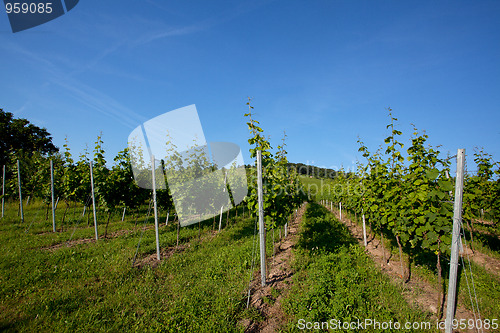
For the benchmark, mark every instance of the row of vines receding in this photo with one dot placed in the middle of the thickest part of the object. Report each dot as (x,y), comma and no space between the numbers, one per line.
(283,191)
(407,194)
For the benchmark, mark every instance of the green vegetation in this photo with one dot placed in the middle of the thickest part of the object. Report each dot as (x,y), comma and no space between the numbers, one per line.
(282,188)
(486,284)
(482,191)
(67,281)
(313,186)
(335,279)
(92,286)
(21,138)
(411,203)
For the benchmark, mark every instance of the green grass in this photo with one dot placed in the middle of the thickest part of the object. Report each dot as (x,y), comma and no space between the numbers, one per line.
(336,280)
(93,287)
(487,285)
(487,241)
(314,186)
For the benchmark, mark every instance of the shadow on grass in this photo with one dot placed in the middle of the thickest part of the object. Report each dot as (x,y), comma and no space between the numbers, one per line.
(489,240)
(245,228)
(322,231)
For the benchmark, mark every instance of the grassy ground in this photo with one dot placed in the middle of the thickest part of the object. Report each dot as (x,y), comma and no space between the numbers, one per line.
(93,287)
(486,238)
(486,285)
(336,280)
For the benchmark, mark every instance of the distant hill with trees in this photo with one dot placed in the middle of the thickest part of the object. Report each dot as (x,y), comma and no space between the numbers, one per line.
(308,170)
(314,171)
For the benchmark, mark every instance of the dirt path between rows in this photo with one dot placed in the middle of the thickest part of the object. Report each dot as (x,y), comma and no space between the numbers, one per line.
(267,300)
(417,291)
(490,264)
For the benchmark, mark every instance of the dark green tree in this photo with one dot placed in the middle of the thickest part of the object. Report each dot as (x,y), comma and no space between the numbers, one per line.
(18,134)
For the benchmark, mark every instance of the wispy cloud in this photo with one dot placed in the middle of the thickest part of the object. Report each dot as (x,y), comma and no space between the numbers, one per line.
(88,96)
(19,111)
(100,102)
(226,15)
(115,46)
(117,34)
(168,32)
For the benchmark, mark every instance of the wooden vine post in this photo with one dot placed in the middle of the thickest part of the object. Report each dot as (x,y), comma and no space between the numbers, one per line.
(3,191)
(220,218)
(457,218)
(364,229)
(20,192)
(93,200)
(52,195)
(155,207)
(262,231)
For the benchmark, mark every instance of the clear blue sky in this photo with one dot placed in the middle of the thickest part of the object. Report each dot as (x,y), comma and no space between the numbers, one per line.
(324,71)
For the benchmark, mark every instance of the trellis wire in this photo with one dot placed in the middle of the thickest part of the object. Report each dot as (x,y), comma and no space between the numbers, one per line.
(475,306)
(36,216)
(93,200)
(142,233)
(254,255)
(3,191)
(81,218)
(20,192)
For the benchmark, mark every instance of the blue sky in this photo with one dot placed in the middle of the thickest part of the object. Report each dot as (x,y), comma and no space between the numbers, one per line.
(323,71)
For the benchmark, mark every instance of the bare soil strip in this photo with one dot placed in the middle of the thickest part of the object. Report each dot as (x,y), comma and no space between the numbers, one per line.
(167,252)
(492,265)
(482,221)
(417,291)
(71,243)
(114,234)
(75,242)
(267,300)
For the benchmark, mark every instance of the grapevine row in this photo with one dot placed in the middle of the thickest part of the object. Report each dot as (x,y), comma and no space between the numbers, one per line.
(408,195)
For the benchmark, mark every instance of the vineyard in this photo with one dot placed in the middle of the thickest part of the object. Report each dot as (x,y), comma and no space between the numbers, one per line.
(409,206)
(73,261)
